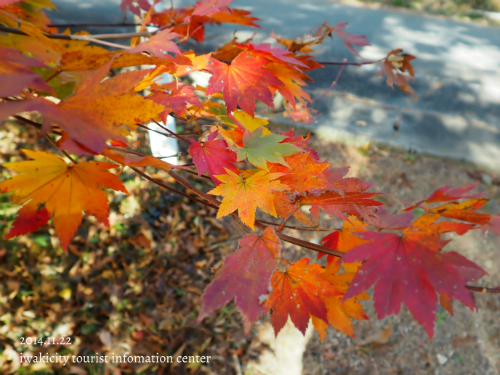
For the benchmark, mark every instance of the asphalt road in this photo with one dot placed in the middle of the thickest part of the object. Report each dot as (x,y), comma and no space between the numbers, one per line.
(457,73)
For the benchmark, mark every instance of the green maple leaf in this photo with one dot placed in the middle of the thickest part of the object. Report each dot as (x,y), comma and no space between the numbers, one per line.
(262,149)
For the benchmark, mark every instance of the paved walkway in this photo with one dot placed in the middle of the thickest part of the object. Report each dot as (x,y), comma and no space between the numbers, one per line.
(457,74)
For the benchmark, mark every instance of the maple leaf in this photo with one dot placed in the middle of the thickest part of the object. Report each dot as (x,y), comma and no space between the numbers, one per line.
(334,203)
(137,161)
(79,45)
(245,194)
(263,149)
(292,82)
(381,218)
(340,312)
(4,3)
(349,39)
(463,211)
(302,173)
(249,122)
(77,60)
(444,194)
(196,63)
(176,101)
(210,7)
(95,111)
(135,6)
(392,67)
(285,207)
(446,303)
(300,43)
(345,240)
(35,41)
(48,187)
(492,225)
(300,141)
(336,180)
(158,44)
(298,293)
(244,277)
(212,156)
(16,75)
(406,271)
(300,113)
(278,55)
(230,50)
(242,82)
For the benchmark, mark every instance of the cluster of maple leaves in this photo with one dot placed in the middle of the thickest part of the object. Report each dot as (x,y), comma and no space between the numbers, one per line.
(64,80)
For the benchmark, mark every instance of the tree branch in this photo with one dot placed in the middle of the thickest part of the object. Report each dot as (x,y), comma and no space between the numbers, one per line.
(94,24)
(349,63)
(483,290)
(161,184)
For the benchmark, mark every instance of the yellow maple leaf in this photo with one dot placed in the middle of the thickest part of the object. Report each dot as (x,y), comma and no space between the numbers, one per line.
(251,123)
(246,193)
(48,186)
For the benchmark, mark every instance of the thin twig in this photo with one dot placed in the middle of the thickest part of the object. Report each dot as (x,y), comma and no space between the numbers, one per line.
(64,152)
(242,227)
(104,43)
(349,63)
(80,37)
(91,24)
(282,225)
(284,237)
(53,76)
(29,122)
(171,132)
(312,229)
(196,174)
(161,184)
(483,290)
(334,83)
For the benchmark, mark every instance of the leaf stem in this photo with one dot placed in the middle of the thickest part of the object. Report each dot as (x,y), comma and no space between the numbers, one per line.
(64,152)
(334,83)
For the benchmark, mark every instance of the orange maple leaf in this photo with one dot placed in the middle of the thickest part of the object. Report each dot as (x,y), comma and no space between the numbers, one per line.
(340,313)
(48,186)
(245,194)
(393,65)
(298,293)
(94,113)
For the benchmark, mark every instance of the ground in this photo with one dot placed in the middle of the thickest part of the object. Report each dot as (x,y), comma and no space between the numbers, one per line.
(136,288)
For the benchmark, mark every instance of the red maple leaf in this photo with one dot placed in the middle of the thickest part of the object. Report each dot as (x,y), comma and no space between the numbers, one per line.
(244,277)
(444,194)
(407,269)
(212,156)
(298,293)
(177,100)
(158,44)
(242,82)
(15,74)
(210,7)
(349,39)
(135,6)
(493,225)
(381,218)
